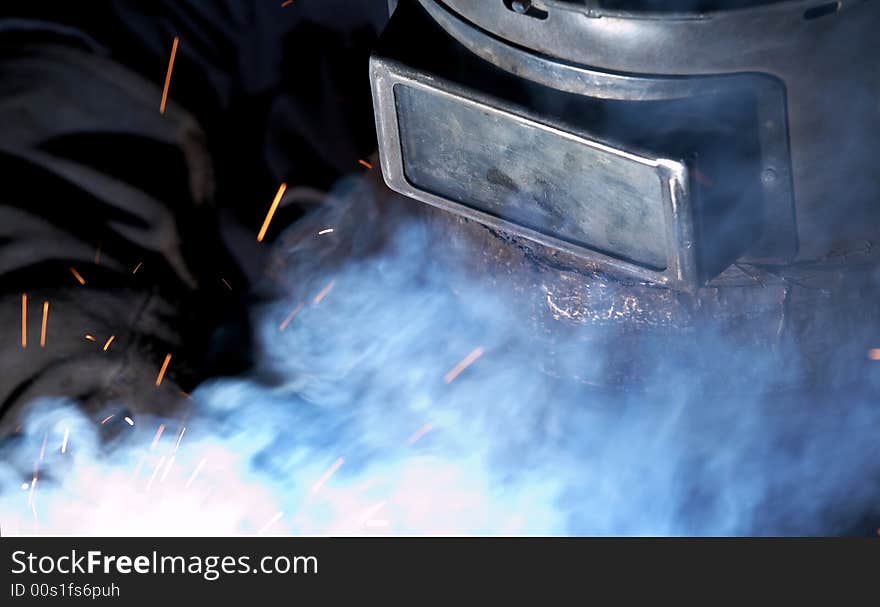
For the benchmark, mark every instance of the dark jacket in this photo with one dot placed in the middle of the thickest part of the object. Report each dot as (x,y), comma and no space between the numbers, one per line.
(157,213)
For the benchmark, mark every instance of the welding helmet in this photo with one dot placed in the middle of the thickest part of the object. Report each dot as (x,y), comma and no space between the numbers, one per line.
(705,159)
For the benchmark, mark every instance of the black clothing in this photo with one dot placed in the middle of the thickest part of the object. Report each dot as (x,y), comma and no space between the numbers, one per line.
(158,213)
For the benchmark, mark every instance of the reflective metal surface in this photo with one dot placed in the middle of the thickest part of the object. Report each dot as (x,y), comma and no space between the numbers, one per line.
(618,209)
(535,176)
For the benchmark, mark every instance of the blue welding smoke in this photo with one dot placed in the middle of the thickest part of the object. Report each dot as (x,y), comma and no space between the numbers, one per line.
(361,419)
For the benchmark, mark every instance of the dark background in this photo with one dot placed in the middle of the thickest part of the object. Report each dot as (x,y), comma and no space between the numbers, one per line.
(96,179)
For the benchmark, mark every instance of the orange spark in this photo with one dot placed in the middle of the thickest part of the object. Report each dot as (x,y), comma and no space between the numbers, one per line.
(89,337)
(98,254)
(78,276)
(365,485)
(137,267)
(43,326)
(367,515)
(33,488)
(137,469)
(271,213)
(326,476)
(24,320)
(366,164)
(418,434)
(196,472)
(290,317)
(107,419)
(156,438)
(464,364)
(702,178)
(179,438)
(270,522)
(168,75)
(874,354)
(108,342)
(167,469)
(324,292)
(162,370)
(287,3)
(155,472)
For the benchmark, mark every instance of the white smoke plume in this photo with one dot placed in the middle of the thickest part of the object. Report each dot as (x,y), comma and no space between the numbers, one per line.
(398,392)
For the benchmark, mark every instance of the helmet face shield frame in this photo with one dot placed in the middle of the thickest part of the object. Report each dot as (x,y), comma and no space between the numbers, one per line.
(482,124)
(421,160)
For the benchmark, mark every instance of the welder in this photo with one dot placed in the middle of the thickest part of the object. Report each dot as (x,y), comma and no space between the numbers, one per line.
(692,167)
